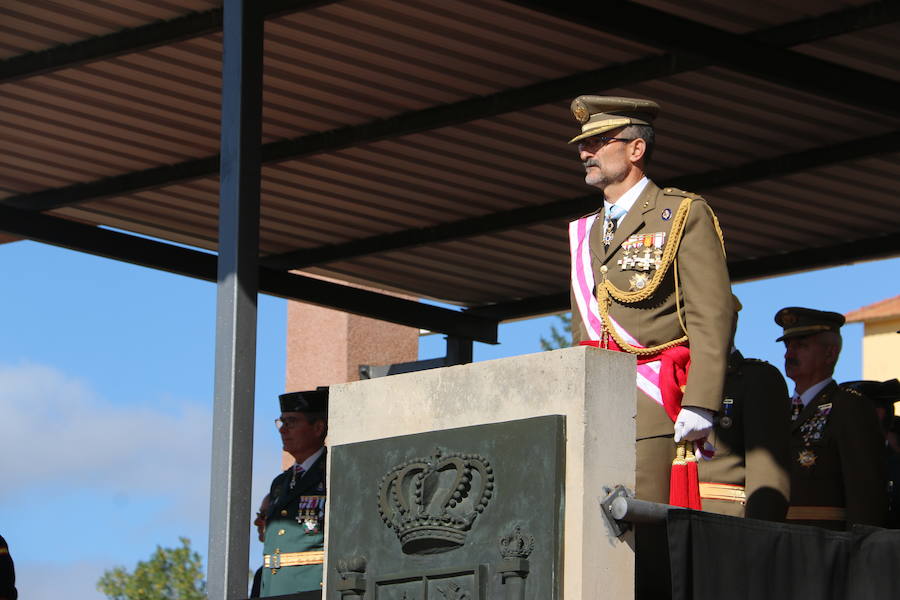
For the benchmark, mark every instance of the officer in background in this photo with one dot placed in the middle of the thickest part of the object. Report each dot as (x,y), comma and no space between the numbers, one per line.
(295,522)
(885,394)
(748,476)
(837,450)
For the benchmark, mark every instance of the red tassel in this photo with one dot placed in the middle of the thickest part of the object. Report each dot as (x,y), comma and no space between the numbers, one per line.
(693,481)
(678,480)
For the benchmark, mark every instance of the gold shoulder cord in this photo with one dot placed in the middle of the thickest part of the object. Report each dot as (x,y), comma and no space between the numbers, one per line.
(606,291)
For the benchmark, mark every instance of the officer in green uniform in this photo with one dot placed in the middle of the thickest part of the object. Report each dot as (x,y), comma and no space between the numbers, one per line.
(295,521)
(837,449)
(748,476)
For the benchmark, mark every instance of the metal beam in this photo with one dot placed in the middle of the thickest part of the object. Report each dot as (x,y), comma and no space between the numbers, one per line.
(135,39)
(236,294)
(741,53)
(530,215)
(455,113)
(874,248)
(202,265)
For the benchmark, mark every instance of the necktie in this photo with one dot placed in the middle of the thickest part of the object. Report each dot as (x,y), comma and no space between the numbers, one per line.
(297,474)
(613,214)
(796,407)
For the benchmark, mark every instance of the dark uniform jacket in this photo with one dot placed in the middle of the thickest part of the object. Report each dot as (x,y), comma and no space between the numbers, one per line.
(289,530)
(837,460)
(751,439)
(704,289)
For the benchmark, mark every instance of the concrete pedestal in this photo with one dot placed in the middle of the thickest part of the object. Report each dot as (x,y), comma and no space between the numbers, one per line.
(593,389)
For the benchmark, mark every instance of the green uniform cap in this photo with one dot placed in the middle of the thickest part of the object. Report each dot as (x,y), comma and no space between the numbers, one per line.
(800,322)
(312,401)
(598,114)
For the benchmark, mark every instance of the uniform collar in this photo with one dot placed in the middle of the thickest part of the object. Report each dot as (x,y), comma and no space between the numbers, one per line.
(309,462)
(627,200)
(807,396)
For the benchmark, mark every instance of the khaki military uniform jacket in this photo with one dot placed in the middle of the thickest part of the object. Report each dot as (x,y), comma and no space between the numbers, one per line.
(837,462)
(704,295)
(751,439)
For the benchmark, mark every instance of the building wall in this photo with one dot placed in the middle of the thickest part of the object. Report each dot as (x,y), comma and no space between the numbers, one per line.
(881,349)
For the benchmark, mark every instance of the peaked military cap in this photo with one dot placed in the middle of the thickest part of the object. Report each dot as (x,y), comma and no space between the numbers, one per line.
(312,401)
(598,114)
(799,322)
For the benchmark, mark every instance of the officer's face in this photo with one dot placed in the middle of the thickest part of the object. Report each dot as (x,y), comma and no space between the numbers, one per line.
(605,161)
(299,437)
(808,358)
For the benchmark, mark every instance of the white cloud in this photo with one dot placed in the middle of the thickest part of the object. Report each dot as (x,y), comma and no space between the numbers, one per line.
(55,429)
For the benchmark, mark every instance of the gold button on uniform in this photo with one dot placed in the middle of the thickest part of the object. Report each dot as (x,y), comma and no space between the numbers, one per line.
(284,513)
(281,532)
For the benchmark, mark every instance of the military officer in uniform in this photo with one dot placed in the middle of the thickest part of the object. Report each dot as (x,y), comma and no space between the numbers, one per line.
(295,521)
(649,278)
(748,476)
(837,449)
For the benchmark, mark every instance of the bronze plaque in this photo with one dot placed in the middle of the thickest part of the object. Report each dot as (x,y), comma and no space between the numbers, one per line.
(460,514)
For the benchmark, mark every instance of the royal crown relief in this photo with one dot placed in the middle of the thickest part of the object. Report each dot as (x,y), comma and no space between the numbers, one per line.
(432,502)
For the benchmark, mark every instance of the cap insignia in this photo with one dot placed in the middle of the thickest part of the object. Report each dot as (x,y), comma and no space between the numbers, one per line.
(581,112)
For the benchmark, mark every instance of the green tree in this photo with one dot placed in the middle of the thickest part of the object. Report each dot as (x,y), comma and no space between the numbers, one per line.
(559,339)
(170,574)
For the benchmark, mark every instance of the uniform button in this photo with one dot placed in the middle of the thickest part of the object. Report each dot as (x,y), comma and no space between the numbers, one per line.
(281,532)
(284,513)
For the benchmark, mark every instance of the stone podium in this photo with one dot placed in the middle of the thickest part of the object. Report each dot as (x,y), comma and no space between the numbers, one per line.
(474,441)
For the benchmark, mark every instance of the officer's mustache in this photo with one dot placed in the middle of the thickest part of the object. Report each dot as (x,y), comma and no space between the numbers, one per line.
(791,362)
(590,163)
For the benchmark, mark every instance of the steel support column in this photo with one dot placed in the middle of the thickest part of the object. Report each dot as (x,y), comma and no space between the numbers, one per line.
(238,281)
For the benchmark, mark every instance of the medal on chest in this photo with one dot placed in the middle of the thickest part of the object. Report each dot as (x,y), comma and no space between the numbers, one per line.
(310,513)
(642,252)
(726,420)
(812,431)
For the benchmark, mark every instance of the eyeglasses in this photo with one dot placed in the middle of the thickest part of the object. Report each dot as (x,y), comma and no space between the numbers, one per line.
(595,142)
(287,421)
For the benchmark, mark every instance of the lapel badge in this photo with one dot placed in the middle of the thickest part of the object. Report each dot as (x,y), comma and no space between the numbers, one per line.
(825,409)
(725,421)
(667,214)
(806,458)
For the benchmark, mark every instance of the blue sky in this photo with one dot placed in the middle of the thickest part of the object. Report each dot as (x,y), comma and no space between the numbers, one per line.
(106,382)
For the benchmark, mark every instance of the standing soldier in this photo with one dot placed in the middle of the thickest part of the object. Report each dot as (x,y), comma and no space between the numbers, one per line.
(649,278)
(837,449)
(295,521)
(748,477)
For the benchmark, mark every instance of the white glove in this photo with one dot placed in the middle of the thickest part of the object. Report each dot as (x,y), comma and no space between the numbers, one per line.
(693,423)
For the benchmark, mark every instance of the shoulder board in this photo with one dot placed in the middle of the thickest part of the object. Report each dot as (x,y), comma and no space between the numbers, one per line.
(670,191)
(853,392)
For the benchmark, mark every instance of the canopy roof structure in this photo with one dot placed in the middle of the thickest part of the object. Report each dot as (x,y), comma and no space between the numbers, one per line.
(420,146)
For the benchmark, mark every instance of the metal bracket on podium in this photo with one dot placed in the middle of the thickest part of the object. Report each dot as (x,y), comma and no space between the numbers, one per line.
(621,509)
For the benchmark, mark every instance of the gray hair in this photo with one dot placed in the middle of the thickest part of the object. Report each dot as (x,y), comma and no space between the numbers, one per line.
(831,339)
(646,133)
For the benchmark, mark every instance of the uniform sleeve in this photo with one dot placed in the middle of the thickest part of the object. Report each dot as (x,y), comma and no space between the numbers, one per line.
(863,462)
(707,307)
(767,444)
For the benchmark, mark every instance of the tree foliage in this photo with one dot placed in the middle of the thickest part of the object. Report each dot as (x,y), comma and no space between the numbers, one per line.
(170,574)
(559,339)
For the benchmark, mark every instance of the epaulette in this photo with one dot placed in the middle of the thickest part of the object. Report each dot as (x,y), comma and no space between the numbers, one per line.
(853,392)
(670,191)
